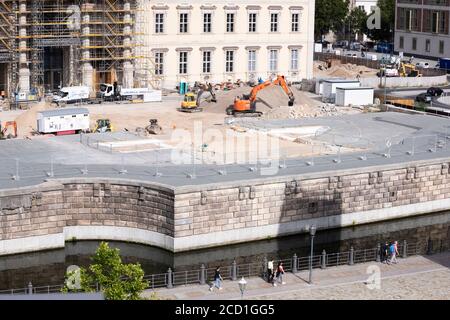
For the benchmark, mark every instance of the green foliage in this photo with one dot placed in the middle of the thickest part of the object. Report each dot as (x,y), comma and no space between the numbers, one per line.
(356,21)
(330,16)
(386,33)
(117,281)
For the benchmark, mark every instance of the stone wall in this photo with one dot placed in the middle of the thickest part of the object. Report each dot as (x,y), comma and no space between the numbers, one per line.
(193,217)
(266,209)
(54,207)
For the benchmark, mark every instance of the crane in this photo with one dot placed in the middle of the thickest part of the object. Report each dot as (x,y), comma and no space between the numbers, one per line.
(247,104)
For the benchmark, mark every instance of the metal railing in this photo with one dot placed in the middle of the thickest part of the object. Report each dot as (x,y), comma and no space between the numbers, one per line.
(259,269)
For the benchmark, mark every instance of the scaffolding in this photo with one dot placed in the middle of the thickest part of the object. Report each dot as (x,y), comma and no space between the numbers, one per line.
(104,36)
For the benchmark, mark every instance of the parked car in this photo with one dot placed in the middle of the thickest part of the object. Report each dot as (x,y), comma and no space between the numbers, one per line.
(424,97)
(435,92)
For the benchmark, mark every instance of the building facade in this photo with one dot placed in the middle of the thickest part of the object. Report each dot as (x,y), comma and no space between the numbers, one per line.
(423,28)
(219,41)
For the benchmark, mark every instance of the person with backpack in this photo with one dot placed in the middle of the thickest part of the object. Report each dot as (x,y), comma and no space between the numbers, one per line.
(217,280)
(279,274)
(394,252)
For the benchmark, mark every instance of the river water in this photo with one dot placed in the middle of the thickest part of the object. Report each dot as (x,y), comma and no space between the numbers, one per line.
(48,267)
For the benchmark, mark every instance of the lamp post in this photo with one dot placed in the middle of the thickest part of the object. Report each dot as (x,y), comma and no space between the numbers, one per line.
(312,233)
(242,285)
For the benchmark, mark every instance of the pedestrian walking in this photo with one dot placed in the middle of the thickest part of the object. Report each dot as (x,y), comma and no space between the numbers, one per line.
(385,253)
(217,280)
(270,271)
(279,274)
(394,252)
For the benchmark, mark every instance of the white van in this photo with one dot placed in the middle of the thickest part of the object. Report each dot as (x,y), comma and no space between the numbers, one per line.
(72,95)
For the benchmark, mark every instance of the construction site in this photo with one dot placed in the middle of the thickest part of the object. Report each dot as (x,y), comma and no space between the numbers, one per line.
(46,45)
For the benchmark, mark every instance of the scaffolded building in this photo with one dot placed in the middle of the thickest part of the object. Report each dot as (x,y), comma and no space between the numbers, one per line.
(48,44)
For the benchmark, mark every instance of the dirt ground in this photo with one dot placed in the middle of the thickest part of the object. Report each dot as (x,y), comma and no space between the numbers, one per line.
(272,102)
(347,71)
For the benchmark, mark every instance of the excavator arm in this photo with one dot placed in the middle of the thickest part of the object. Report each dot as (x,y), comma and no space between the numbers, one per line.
(280,81)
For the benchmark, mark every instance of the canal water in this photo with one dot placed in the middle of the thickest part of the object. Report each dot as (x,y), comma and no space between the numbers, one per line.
(48,267)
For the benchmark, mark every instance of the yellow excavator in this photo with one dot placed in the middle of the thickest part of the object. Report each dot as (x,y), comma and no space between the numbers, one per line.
(192,101)
(408,70)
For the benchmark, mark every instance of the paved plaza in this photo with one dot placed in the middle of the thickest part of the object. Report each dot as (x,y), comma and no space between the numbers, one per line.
(418,278)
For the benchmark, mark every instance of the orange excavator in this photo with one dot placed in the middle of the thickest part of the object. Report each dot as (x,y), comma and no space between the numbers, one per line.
(4,130)
(247,104)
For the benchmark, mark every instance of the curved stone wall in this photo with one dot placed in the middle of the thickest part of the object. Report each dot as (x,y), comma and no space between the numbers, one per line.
(201,216)
(43,217)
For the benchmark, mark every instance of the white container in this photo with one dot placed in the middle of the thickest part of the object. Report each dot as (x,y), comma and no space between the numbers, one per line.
(329,87)
(58,120)
(361,96)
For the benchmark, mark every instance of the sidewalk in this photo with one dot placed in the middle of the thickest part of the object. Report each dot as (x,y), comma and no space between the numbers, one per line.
(418,277)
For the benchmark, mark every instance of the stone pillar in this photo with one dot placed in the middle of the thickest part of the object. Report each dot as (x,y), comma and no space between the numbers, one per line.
(352,253)
(87,71)
(405,249)
(324,260)
(234,271)
(128,68)
(24,70)
(30,288)
(294,263)
(202,274)
(378,253)
(169,279)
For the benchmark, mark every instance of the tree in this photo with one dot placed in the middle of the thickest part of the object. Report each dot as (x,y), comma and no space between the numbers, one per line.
(356,21)
(330,16)
(117,281)
(387,18)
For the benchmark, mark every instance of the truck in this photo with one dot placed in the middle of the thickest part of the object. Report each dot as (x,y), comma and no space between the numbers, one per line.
(63,121)
(68,95)
(114,92)
(444,63)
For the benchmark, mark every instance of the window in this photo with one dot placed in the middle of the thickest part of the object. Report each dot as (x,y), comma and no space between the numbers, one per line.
(273,60)
(159,23)
(183,62)
(401,42)
(414,43)
(441,47)
(251,60)
(252,22)
(294,59)
(207,22)
(229,61)
(427,45)
(295,22)
(274,22)
(206,62)
(183,22)
(230,22)
(159,63)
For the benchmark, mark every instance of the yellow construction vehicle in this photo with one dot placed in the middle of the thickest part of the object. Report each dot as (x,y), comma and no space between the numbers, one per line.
(103,125)
(192,101)
(408,70)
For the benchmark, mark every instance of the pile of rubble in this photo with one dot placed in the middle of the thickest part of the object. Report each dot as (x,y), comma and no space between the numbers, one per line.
(305,111)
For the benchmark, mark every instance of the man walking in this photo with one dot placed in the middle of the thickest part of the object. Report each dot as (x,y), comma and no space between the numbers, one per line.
(217,280)
(394,252)
(385,253)
(270,271)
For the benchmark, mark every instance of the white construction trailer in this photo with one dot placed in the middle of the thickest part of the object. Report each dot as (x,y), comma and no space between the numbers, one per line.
(329,87)
(63,121)
(361,96)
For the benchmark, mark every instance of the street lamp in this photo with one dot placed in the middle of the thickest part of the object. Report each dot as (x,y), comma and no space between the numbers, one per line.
(242,285)
(312,233)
